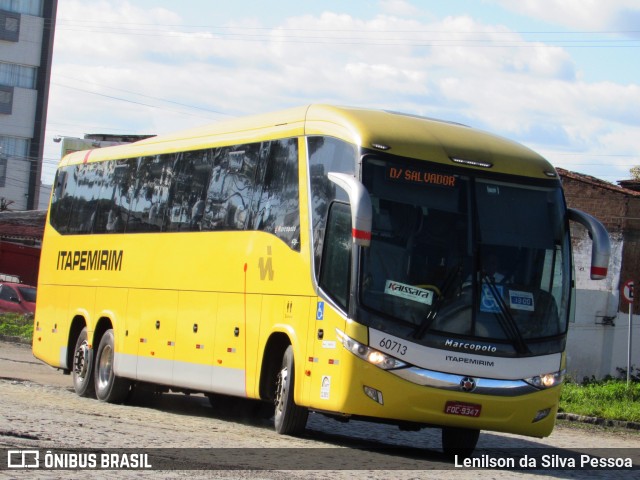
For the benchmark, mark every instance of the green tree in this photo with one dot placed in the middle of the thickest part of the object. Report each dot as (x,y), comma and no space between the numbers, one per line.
(635,172)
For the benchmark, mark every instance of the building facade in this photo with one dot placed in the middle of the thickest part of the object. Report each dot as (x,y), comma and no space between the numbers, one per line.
(598,340)
(20,244)
(26,45)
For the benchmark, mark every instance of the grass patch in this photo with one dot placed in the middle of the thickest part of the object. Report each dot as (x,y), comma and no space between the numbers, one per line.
(16,325)
(610,399)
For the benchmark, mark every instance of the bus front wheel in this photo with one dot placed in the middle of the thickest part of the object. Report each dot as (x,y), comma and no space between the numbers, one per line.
(289,419)
(109,387)
(82,371)
(459,441)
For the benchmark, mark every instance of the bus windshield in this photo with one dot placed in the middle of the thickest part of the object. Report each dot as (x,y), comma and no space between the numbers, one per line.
(458,256)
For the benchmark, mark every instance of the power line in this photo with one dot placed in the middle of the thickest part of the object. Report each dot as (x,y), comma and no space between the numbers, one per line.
(196,107)
(358,37)
(112,97)
(62,21)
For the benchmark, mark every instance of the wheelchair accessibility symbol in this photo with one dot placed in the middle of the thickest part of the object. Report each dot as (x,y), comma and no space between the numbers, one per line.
(320,311)
(488,302)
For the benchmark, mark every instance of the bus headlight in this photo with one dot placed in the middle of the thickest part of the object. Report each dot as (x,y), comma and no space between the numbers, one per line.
(375,357)
(547,380)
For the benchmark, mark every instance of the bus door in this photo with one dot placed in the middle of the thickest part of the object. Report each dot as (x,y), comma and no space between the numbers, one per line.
(330,311)
(156,312)
(324,360)
(229,373)
(195,340)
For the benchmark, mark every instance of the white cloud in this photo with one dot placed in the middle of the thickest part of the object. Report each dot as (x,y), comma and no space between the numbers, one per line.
(400,8)
(455,68)
(578,14)
(92,31)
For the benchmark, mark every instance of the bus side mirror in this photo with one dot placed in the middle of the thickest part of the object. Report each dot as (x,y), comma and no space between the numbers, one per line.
(601,249)
(361,211)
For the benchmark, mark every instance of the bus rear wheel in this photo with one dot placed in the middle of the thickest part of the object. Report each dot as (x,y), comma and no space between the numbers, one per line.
(459,441)
(109,387)
(289,418)
(82,371)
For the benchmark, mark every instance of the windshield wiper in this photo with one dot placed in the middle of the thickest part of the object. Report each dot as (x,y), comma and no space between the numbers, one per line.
(435,308)
(428,320)
(505,318)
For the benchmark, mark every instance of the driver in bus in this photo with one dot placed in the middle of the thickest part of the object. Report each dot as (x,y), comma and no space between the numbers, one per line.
(492,269)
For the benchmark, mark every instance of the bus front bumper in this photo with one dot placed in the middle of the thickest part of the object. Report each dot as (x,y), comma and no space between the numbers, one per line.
(376,393)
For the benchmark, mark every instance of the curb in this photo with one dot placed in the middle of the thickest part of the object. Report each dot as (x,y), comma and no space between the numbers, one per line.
(601,422)
(12,339)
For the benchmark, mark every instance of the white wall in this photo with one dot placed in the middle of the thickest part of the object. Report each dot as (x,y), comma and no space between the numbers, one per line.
(597,340)
(27,50)
(596,350)
(20,122)
(16,183)
(45,196)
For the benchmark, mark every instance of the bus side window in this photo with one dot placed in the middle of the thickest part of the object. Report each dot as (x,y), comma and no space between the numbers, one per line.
(86,198)
(62,200)
(326,154)
(105,198)
(57,213)
(150,194)
(276,206)
(231,187)
(190,183)
(336,258)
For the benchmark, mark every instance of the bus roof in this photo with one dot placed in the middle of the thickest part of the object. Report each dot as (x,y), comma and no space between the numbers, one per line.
(397,133)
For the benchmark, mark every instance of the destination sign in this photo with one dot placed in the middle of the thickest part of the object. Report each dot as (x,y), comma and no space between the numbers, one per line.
(412,175)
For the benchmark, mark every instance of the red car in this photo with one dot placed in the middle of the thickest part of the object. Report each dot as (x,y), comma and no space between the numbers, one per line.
(17,298)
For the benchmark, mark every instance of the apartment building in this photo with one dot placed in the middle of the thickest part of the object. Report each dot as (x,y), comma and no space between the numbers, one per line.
(26,45)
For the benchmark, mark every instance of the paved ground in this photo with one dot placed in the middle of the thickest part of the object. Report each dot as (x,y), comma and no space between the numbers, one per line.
(38,410)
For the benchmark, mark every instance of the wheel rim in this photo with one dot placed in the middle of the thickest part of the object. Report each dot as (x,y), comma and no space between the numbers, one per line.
(281,389)
(80,361)
(105,367)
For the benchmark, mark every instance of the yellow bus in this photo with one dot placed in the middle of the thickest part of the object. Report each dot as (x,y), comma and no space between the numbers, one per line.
(363,264)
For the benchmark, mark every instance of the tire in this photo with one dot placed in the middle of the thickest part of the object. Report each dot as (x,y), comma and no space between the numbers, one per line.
(459,441)
(109,387)
(82,367)
(289,418)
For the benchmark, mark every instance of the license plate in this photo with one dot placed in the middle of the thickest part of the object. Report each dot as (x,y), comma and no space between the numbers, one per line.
(464,409)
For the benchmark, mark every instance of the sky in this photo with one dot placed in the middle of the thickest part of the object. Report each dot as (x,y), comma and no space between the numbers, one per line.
(559,76)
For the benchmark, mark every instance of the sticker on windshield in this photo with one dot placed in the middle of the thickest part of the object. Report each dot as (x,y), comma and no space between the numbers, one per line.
(521,300)
(409,292)
(488,302)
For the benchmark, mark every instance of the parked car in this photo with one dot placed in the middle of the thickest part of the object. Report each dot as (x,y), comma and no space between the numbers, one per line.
(17,298)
